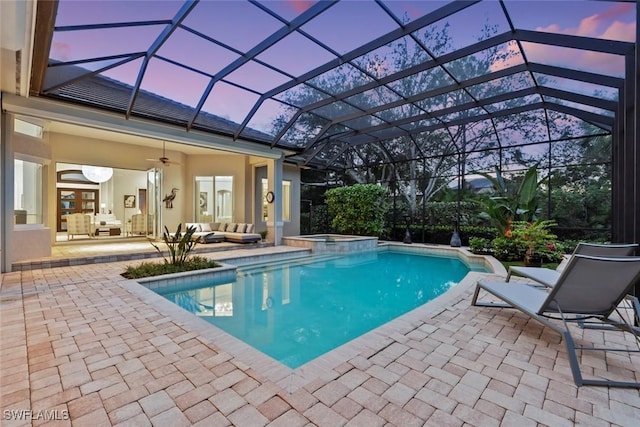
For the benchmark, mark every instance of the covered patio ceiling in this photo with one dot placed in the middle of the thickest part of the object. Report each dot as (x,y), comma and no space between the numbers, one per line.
(335,81)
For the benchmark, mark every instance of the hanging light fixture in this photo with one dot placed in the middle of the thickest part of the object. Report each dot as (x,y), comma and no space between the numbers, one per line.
(97,173)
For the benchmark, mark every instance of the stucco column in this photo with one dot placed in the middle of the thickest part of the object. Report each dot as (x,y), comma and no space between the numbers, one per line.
(274,209)
(5,182)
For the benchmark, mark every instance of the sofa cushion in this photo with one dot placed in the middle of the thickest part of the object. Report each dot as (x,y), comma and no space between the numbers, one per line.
(249,228)
(215,226)
(242,237)
(213,238)
(205,226)
(241,228)
(231,228)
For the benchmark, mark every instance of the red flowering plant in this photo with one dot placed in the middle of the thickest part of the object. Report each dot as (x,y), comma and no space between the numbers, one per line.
(540,241)
(507,231)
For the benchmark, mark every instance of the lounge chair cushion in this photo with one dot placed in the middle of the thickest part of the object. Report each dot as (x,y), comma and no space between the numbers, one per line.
(589,288)
(548,277)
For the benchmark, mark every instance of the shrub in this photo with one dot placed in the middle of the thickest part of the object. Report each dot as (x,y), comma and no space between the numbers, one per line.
(149,269)
(445,213)
(358,209)
(509,249)
(539,239)
(480,245)
(180,246)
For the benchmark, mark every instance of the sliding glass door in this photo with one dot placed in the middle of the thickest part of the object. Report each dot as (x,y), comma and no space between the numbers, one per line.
(154,200)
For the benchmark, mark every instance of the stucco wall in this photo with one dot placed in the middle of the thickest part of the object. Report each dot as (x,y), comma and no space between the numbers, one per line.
(34,240)
(220,165)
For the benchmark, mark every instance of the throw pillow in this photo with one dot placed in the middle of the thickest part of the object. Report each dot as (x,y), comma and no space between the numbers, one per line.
(191,224)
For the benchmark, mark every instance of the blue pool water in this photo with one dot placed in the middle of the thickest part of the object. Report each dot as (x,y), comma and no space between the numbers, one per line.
(299,310)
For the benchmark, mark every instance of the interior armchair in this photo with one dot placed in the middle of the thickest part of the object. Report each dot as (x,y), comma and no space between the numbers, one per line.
(79,224)
(141,224)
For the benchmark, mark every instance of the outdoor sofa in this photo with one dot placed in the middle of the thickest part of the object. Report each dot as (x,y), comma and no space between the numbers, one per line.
(214,232)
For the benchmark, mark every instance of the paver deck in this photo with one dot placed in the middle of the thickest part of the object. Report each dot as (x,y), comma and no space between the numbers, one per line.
(88,347)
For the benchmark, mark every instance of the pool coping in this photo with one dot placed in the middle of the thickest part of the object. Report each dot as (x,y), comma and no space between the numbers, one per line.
(324,366)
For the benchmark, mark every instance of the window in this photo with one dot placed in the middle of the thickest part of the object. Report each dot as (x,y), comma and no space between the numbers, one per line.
(214,199)
(27,191)
(286,200)
(214,301)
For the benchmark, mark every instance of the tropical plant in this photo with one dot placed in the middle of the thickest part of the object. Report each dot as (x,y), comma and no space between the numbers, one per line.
(506,207)
(179,245)
(358,209)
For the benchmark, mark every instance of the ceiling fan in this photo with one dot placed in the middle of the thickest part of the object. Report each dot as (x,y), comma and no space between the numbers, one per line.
(164,159)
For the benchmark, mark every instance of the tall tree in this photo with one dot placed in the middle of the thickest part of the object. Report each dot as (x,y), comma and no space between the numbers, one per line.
(418,163)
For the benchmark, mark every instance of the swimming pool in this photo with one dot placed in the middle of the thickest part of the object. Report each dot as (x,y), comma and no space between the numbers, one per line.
(296,311)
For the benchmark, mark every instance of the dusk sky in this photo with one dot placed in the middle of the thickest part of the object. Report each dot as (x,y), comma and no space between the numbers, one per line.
(343,27)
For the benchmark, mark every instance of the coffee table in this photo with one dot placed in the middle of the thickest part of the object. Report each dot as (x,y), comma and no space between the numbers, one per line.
(107,230)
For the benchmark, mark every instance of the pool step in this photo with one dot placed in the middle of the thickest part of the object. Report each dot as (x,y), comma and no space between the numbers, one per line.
(270,265)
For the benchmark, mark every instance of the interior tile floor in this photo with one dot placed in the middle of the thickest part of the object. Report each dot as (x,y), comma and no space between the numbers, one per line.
(81,344)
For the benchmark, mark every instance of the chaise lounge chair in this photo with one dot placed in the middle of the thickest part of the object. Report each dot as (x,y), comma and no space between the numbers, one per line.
(589,289)
(548,277)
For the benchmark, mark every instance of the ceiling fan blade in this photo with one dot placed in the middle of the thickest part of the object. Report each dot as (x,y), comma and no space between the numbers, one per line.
(163,159)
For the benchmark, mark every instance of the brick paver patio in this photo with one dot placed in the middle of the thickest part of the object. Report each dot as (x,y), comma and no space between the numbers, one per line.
(85,346)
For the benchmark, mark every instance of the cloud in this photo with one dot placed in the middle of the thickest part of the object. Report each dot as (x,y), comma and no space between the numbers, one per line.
(60,51)
(605,25)
(300,6)
(619,9)
(598,27)
(608,25)
(621,31)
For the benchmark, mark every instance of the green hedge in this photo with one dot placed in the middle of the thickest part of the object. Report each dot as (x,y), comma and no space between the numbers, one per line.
(358,209)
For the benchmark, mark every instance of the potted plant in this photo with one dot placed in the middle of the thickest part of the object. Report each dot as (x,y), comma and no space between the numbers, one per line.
(538,237)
